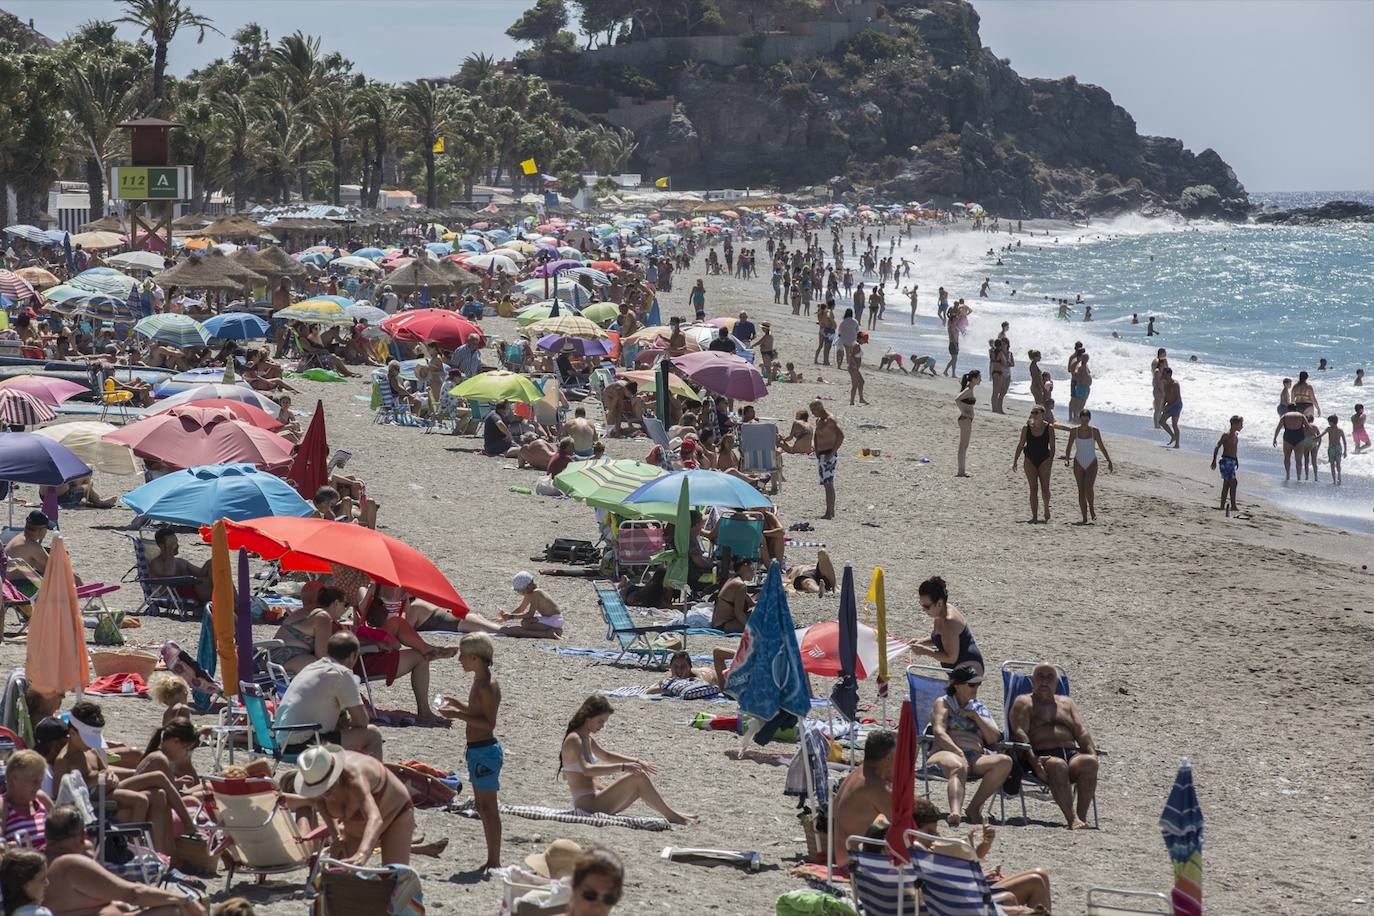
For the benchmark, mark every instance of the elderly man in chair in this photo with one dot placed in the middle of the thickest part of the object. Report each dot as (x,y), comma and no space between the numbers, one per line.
(1062,753)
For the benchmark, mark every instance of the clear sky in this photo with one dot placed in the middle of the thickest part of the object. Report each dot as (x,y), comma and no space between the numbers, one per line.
(1280,88)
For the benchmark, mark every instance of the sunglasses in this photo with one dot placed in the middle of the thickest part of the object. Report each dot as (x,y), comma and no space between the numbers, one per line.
(592,896)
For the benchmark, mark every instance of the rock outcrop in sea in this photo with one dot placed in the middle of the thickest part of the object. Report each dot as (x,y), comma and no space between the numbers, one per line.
(1333,211)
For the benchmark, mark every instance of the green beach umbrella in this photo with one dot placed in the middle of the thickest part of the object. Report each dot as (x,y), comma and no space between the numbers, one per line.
(173,329)
(605,482)
(497,385)
(678,559)
(602,313)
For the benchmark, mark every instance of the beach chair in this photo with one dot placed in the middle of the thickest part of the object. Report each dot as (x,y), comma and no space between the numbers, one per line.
(632,638)
(880,886)
(391,410)
(925,685)
(12,596)
(513,356)
(737,537)
(122,849)
(114,399)
(758,452)
(1016,681)
(161,595)
(951,884)
(1115,901)
(255,832)
(339,889)
(265,733)
(14,707)
(443,414)
(638,541)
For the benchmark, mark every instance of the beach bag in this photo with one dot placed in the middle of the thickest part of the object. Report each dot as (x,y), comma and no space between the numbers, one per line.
(425,788)
(341,890)
(107,631)
(811,903)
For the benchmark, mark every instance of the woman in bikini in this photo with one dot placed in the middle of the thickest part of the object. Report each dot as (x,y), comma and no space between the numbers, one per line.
(798,439)
(582,760)
(1037,443)
(965,401)
(1081,455)
(733,604)
(1305,398)
(305,633)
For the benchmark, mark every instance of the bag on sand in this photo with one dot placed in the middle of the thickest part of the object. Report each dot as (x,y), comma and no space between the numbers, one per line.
(343,890)
(812,903)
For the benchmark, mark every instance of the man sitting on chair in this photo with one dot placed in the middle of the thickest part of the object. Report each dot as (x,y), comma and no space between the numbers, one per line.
(167,565)
(326,693)
(1062,754)
(26,549)
(865,793)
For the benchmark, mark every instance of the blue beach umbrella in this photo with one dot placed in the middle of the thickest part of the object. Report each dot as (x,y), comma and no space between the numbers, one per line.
(845,694)
(766,677)
(236,326)
(709,488)
(373,254)
(204,494)
(173,329)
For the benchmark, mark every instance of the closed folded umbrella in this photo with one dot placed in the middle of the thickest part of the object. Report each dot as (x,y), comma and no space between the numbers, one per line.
(183,442)
(222,609)
(903,784)
(724,374)
(173,329)
(310,469)
(48,389)
(202,495)
(236,326)
(55,659)
(498,386)
(1181,825)
(85,439)
(845,695)
(19,408)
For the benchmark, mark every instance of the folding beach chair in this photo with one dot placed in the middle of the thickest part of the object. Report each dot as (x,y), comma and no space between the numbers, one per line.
(925,685)
(659,436)
(391,409)
(513,356)
(951,885)
(443,414)
(1115,901)
(758,452)
(339,889)
(161,595)
(633,639)
(1016,681)
(114,399)
(880,886)
(14,707)
(122,849)
(266,735)
(738,537)
(638,541)
(255,832)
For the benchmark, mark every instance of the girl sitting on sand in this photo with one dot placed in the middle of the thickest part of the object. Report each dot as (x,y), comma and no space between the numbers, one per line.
(538,614)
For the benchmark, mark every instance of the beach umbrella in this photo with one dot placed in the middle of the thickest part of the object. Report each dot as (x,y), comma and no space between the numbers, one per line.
(184,442)
(903,784)
(498,385)
(709,488)
(550,268)
(356,263)
(567,326)
(235,392)
(542,311)
(767,677)
(19,408)
(369,253)
(362,311)
(137,260)
(447,329)
(37,277)
(55,659)
(99,307)
(492,263)
(15,286)
(315,311)
(1181,825)
(603,313)
(823,651)
(98,240)
(173,329)
(310,469)
(313,544)
(209,407)
(105,280)
(222,608)
(724,374)
(236,326)
(877,596)
(679,563)
(85,440)
(556,343)
(605,482)
(47,389)
(845,694)
(648,379)
(204,494)
(64,293)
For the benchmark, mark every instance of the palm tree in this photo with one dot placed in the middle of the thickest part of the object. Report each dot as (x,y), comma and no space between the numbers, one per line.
(285,138)
(160,20)
(475,69)
(99,97)
(335,119)
(237,136)
(380,119)
(428,110)
(296,62)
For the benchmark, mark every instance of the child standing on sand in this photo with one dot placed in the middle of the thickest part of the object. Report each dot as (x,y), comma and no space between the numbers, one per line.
(1229,463)
(1357,430)
(1335,447)
(484,755)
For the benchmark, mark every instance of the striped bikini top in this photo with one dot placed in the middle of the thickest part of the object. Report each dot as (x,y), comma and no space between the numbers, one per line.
(30,825)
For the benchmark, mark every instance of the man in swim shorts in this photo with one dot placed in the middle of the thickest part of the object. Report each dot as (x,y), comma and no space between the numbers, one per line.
(1172,407)
(1228,463)
(1063,755)
(826,440)
(484,754)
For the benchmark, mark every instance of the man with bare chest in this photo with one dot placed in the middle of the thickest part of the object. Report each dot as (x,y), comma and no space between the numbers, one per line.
(1062,754)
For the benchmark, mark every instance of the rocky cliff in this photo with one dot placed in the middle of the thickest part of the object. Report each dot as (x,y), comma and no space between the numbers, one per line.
(917,109)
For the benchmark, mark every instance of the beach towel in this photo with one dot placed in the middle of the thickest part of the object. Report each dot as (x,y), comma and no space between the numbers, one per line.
(607,654)
(468,808)
(688,688)
(125,683)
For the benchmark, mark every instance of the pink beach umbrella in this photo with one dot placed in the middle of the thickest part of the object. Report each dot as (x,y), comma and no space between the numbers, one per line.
(724,374)
(48,390)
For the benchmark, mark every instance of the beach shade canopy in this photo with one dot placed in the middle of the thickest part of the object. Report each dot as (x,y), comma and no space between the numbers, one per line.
(173,329)
(313,544)
(233,226)
(567,326)
(137,260)
(723,373)
(31,458)
(234,392)
(603,313)
(419,273)
(184,442)
(310,469)
(439,326)
(498,385)
(222,609)
(583,346)
(236,326)
(15,286)
(1181,824)
(201,273)
(55,658)
(86,440)
(708,488)
(315,311)
(235,268)
(823,654)
(19,408)
(206,412)
(362,311)
(845,694)
(767,677)
(647,379)
(276,263)
(205,494)
(605,482)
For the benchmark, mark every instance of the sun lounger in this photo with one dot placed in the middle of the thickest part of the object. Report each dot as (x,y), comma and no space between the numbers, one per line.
(255,832)
(1015,682)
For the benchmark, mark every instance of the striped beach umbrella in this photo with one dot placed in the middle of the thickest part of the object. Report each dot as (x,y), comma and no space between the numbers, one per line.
(173,329)
(15,286)
(604,483)
(567,326)
(105,280)
(19,408)
(1181,824)
(219,392)
(99,307)
(37,277)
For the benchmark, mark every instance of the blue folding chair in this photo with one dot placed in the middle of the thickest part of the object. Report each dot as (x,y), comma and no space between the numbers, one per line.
(880,886)
(1016,681)
(739,537)
(632,638)
(950,885)
(925,686)
(265,734)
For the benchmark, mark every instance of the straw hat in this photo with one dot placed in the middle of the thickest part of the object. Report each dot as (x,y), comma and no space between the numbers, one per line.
(557,859)
(318,768)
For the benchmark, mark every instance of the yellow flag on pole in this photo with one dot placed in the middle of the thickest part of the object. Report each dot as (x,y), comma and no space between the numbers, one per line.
(528,167)
(876,595)
(438,145)
(662,183)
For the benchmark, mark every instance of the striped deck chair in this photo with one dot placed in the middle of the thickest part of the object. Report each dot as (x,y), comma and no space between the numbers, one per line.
(758,452)
(1016,681)
(633,638)
(161,595)
(391,410)
(926,685)
(951,885)
(880,886)
(1115,901)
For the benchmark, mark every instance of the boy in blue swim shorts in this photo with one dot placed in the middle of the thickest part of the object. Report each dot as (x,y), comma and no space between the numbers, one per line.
(1228,463)
(484,754)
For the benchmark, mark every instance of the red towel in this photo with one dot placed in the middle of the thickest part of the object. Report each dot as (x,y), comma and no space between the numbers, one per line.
(113,685)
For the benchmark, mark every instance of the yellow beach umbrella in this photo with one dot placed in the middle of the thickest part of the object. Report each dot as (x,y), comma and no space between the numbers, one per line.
(86,439)
(878,598)
(222,608)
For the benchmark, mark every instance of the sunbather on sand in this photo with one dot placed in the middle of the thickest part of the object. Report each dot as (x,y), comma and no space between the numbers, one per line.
(734,603)
(812,579)
(680,667)
(428,618)
(582,760)
(538,613)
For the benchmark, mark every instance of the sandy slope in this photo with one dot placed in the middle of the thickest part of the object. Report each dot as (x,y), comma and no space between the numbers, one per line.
(1239,644)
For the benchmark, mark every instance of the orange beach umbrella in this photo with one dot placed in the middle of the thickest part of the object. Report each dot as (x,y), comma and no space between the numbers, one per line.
(55,657)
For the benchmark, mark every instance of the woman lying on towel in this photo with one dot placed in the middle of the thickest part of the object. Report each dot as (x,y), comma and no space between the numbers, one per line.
(688,683)
(582,760)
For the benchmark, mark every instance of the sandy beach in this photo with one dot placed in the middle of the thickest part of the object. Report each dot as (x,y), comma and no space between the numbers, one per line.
(1239,644)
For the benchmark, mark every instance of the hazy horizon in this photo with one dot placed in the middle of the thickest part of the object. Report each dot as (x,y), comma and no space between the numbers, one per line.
(1275,87)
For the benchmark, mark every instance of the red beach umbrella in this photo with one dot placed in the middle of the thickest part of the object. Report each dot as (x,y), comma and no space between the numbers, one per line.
(237,410)
(183,442)
(310,470)
(447,329)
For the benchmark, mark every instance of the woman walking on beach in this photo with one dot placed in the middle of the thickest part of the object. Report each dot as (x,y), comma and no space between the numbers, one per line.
(1037,443)
(1080,386)
(965,401)
(951,642)
(1081,454)
(856,376)
(582,760)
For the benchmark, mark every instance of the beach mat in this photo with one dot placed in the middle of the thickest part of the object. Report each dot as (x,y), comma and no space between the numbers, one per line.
(609,654)
(468,808)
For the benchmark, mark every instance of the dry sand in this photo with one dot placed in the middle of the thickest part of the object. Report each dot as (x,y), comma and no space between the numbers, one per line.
(1239,644)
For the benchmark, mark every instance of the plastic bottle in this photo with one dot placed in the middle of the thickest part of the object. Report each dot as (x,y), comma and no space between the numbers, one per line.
(523,490)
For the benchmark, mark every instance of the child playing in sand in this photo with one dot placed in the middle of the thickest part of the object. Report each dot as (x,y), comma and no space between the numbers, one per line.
(1357,431)
(1226,445)
(923,365)
(1335,447)
(538,614)
(792,374)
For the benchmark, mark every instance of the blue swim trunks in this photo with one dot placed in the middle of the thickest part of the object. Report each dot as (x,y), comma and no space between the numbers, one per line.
(485,760)
(1227,467)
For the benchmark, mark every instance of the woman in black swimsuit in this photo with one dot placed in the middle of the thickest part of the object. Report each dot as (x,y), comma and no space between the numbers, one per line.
(965,401)
(1037,442)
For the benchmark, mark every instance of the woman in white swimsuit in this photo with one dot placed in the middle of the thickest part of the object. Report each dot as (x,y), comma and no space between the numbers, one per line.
(582,760)
(1081,454)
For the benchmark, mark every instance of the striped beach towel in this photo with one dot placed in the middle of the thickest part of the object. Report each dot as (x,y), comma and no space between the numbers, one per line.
(468,808)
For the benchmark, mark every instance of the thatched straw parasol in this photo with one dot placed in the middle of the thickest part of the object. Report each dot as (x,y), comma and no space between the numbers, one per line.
(416,274)
(190,221)
(280,264)
(206,272)
(109,223)
(233,227)
(247,276)
(252,261)
(458,275)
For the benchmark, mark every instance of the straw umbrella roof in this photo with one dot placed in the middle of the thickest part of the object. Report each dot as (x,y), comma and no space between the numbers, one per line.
(458,275)
(245,275)
(279,263)
(418,273)
(233,227)
(104,224)
(189,221)
(253,261)
(202,273)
